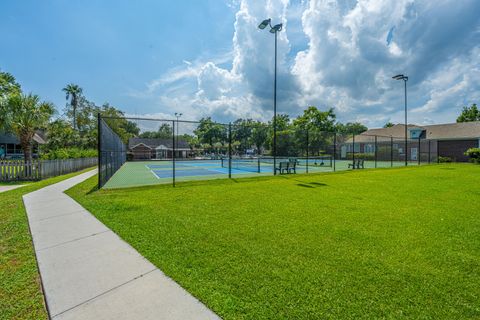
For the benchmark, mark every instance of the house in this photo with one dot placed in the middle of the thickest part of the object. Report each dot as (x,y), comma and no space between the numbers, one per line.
(443,140)
(147,149)
(10,147)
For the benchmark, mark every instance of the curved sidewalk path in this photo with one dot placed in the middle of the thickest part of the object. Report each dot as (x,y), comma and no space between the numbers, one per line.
(88,272)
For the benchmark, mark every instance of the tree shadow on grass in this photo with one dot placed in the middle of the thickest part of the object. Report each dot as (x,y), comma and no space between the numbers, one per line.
(312,185)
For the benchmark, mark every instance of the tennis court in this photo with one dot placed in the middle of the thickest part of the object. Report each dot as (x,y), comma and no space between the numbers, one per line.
(138,173)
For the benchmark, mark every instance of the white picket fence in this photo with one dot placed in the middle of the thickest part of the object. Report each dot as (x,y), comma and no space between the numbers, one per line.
(17,170)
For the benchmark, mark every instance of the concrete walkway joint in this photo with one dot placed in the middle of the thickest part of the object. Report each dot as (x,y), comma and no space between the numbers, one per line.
(88,272)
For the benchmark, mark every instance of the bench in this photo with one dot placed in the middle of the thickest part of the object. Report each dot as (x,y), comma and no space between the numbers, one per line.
(282,167)
(292,166)
(287,167)
(357,164)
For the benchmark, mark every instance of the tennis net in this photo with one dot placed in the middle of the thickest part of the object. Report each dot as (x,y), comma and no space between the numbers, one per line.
(251,165)
(314,161)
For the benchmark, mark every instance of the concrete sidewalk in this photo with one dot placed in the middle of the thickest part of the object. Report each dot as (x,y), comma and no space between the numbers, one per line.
(88,272)
(12,187)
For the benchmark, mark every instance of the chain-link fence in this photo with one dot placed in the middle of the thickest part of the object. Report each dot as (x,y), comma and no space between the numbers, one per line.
(111,151)
(136,151)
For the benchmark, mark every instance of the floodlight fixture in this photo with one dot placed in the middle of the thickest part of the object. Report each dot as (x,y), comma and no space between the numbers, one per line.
(264,24)
(276,28)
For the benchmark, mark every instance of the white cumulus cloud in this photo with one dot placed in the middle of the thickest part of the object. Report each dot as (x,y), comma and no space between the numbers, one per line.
(343,56)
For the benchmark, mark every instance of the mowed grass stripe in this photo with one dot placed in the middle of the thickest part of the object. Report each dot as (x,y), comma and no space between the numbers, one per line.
(386,243)
(20,289)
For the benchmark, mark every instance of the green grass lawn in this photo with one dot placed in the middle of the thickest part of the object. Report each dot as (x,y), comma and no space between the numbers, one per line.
(20,292)
(386,243)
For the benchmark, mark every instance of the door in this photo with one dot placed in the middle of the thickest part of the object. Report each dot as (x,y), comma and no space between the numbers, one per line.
(343,151)
(413,153)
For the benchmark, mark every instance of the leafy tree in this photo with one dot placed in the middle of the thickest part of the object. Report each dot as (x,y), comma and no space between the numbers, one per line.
(388,125)
(116,120)
(319,125)
(285,144)
(74,93)
(242,132)
(283,122)
(164,132)
(23,115)
(210,132)
(316,120)
(8,85)
(469,114)
(60,134)
(259,136)
(351,128)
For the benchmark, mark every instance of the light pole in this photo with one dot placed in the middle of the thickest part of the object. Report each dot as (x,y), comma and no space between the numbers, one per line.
(405,79)
(178,115)
(273,29)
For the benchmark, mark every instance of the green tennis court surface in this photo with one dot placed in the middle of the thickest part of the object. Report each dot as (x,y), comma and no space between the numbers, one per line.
(141,173)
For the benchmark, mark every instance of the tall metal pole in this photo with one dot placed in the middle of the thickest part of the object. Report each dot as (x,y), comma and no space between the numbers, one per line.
(178,115)
(99,150)
(391,151)
(275,111)
(230,150)
(334,150)
(173,153)
(307,152)
(353,154)
(406,123)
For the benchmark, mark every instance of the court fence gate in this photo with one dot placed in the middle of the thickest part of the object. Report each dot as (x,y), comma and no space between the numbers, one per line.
(142,151)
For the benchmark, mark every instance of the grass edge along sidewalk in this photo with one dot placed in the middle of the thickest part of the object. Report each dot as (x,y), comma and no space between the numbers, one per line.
(388,243)
(20,289)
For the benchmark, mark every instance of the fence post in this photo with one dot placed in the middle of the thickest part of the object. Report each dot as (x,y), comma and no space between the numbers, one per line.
(429,151)
(375,151)
(419,151)
(230,150)
(353,153)
(173,152)
(438,153)
(334,150)
(99,150)
(391,152)
(307,152)
(39,169)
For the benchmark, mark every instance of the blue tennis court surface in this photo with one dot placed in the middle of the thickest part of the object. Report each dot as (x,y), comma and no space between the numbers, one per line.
(198,168)
(202,168)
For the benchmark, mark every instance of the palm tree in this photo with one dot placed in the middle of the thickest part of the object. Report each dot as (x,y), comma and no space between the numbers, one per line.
(23,114)
(73,92)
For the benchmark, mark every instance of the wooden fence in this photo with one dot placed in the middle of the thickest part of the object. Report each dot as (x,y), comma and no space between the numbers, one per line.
(19,170)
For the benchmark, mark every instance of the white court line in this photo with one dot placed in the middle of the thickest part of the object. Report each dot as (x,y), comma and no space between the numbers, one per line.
(154,174)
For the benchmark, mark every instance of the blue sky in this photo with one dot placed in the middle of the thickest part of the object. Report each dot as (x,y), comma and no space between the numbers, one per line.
(208,58)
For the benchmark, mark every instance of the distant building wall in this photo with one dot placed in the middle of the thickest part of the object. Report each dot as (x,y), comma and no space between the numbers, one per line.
(455,149)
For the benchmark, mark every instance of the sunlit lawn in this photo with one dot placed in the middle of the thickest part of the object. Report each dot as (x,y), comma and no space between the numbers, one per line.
(20,289)
(385,243)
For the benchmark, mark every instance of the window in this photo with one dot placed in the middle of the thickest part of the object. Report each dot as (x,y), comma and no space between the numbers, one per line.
(10,148)
(356,147)
(369,148)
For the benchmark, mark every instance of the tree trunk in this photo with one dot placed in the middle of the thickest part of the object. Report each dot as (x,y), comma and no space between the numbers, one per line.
(26,143)
(74,107)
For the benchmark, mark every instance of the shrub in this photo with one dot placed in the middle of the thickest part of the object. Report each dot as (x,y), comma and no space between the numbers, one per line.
(445,159)
(359,155)
(474,154)
(69,153)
